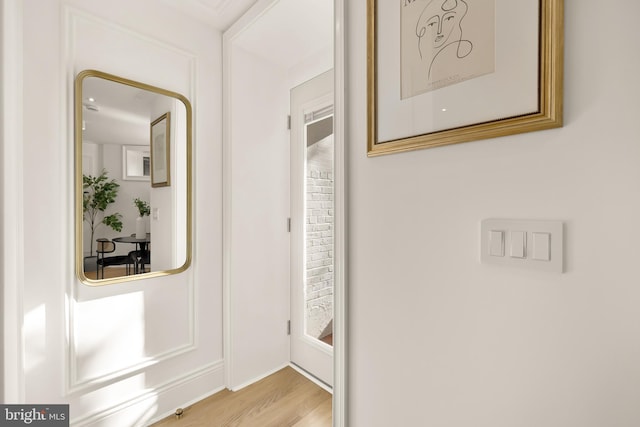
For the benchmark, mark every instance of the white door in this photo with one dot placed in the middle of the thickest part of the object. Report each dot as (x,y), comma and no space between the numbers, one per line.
(312,226)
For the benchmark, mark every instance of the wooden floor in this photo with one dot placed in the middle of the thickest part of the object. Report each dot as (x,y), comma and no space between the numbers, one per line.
(328,339)
(284,399)
(109,272)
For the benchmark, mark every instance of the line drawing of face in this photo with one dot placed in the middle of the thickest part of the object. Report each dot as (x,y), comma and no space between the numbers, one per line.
(439,23)
(439,28)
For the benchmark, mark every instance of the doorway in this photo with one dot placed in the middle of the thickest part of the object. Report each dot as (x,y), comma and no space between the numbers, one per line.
(276,46)
(312,229)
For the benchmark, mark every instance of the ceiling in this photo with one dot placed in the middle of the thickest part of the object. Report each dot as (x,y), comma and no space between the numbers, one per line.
(290,31)
(217,13)
(286,32)
(115,113)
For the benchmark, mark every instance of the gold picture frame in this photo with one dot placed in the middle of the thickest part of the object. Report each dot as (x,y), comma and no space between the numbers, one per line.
(397,124)
(161,151)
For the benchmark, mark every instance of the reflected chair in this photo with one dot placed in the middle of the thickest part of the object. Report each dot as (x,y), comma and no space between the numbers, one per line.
(106,246)
(139,259)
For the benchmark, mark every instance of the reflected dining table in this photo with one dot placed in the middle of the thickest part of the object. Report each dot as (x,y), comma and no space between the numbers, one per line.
(141,248)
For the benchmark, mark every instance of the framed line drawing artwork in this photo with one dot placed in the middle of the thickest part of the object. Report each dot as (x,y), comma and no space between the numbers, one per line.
(443,72)
(161,151)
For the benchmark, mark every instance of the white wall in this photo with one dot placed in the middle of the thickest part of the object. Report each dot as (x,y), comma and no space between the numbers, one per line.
(259,179)
(164,199)
(259,198)
(312,66)
(2,156)
(12,249)
(438,339)
(121,354)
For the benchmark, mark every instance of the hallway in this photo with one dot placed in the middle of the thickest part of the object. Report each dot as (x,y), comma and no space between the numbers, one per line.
(285,398)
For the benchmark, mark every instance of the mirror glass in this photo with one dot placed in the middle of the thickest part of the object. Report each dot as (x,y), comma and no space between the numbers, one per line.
(132,178)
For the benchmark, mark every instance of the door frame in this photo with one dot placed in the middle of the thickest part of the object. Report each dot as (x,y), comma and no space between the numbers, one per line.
(340,209)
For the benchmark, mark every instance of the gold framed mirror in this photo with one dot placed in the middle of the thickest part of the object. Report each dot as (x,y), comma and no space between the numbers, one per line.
(128,227)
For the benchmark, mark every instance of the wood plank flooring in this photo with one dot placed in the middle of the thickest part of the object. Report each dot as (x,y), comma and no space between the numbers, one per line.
(284,399)
(109,272)
(328,339)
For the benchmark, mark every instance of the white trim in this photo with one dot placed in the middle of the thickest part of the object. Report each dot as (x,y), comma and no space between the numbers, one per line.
(167,387)
(250,16)
(85,384)
(66,65)
(12,202)
(311,378)
(93,19)
(66,233)
(70,18)
(227,330)
(258,378)
(340,326)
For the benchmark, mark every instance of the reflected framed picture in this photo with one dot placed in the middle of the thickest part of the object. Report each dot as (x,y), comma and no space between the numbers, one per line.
(160,151)
(443,72)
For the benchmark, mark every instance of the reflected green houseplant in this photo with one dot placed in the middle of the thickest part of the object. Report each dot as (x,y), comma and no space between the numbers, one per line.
(144,210)
(99,192)
(143,207)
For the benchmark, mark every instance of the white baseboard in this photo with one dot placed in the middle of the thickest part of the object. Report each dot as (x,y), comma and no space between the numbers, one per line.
(159,402)
(256,379)
(311,378)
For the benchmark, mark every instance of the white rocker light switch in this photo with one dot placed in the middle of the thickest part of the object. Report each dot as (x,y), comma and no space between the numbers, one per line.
(541,246)
(496,243)
(518,244)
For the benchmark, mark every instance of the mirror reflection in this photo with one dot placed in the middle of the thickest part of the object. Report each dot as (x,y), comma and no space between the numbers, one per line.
(133,179)
(136,163)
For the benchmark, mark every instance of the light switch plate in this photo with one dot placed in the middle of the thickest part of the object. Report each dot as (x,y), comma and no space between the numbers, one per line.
(532,244)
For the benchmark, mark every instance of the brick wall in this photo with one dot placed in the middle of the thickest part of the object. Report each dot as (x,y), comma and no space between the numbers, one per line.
(319,234)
